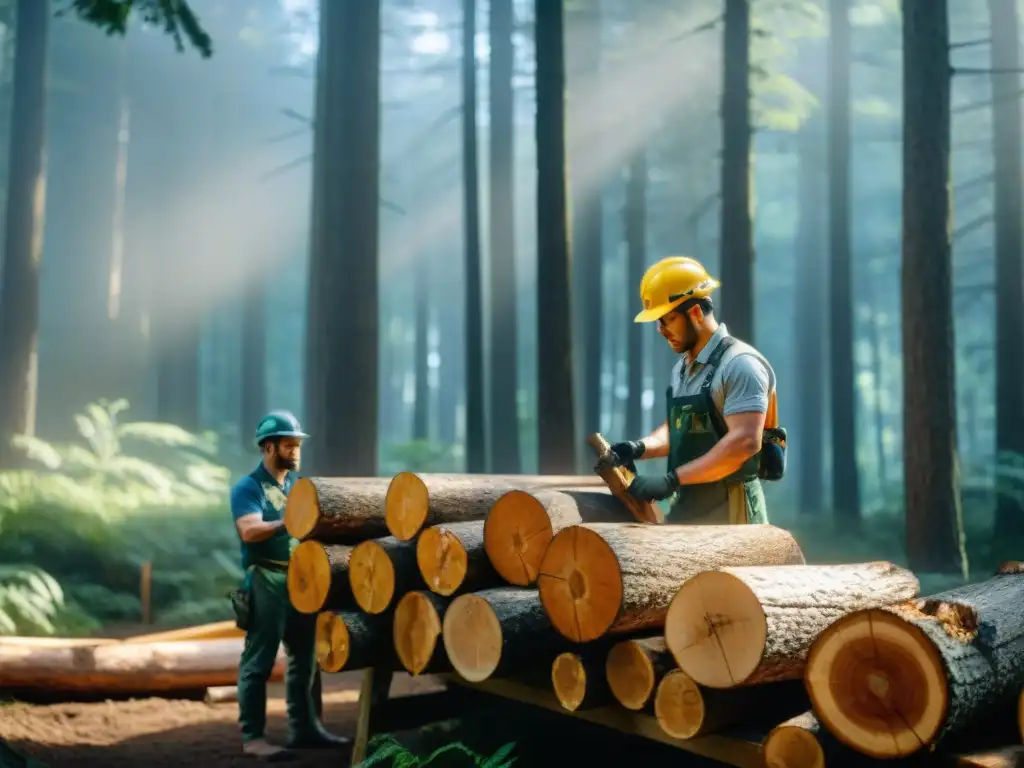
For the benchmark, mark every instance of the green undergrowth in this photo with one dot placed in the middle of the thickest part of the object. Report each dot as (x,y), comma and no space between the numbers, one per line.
(386,751)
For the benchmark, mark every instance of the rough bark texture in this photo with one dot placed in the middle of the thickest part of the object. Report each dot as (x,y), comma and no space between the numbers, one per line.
(480,574)
(800,602)
(654,561)
(347,510)
(402,555)
(368,642)
(934,521)
(120,668)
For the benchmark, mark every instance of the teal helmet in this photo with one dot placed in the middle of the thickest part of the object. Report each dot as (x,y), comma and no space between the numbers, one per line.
(278,424)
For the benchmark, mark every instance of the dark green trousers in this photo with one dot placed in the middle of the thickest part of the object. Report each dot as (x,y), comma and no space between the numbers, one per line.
(272,621)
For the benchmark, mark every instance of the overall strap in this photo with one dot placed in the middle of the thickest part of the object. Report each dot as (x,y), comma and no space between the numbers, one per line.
(705,388)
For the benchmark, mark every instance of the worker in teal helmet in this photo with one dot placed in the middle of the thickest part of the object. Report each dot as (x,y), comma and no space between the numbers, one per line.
(262,605)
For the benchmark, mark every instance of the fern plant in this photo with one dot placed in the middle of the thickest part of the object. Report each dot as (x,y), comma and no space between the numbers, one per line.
(386,750)
(29,600)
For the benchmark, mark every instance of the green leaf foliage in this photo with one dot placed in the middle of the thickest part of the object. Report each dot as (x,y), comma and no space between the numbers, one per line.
(175,17)
(386,750)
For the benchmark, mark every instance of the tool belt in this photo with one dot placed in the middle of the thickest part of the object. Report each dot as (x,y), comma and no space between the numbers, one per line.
(241,604)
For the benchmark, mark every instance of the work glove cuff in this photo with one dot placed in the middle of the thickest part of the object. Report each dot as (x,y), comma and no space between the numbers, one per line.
(638,448)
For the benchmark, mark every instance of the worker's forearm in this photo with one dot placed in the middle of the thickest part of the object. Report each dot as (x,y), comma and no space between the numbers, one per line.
(261,531)
(656,443)
(724,458)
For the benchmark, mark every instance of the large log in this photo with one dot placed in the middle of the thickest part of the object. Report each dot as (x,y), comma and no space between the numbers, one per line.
(615,578)
(749,625)
(337,510)
(348,640)
(634,668)
(417,633)
(578,680)
(618,480)
(318,577)
(891,682)
(415,501)
(382,570)
(521,524)
(685,710)
(119,668)
(451,558)
(498,631)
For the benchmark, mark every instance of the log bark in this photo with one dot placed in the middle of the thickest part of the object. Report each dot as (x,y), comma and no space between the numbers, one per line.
(415,501)
(922,672)
(337,510)
(318,577)
(618,480)
(382,570)
(521,524)
(451,558)
(498,631)
(749,625)
(348,640)
(215,631)
(578,679)
(685,710)
(221,694)
(121,668)
(635,667)
(602,578)
(417,633)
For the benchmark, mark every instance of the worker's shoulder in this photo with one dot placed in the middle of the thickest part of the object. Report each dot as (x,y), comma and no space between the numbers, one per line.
(246,487)
(744,359)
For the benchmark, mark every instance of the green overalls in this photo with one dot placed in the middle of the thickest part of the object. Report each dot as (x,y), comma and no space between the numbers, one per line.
(271,621)
(694,426)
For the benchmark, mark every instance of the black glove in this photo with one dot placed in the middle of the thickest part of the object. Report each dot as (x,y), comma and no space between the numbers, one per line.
(653,488)
(622,455)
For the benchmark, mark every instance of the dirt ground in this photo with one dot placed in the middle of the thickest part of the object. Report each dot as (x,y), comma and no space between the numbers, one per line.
(160,732)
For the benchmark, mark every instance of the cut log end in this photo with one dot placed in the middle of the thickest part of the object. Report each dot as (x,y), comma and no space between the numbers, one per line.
(790,746)
(569,680)
(302,512)
(716,629)
(406,505)
(472,637)
(309,577)
(878,683)
(1020,715)
(417,630)
(442,560)
(516,535)
(372,576)
(679,705)
(580,584)
(332,642)
(630,675)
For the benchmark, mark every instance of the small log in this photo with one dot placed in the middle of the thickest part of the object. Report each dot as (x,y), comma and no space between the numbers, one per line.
(221,694)
(750,625)
(891,682)
(601,578)
(382,570)
(635,667)
(417,633)
(415,501)
(685,710)
(336,510)
(497,631)
(451,558)
(521,524)
(218,630)
(1010,567)
(618,480)
(121,668)
(318,577)
(1006,757)
(1020,715)
(578,680)
(351,640)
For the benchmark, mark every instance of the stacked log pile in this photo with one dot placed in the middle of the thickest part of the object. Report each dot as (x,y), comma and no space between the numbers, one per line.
(703,630)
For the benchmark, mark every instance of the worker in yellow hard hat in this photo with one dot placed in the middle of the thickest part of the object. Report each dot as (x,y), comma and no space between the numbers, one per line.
(721,436)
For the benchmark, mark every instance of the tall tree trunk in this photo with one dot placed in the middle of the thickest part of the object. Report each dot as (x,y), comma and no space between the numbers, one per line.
(737,233)
(421,353)
(934,535)
(254,360)
(636,257)
(476,445)
(556,431)
(877,309)
(23,232)
(1006,146)
(845,478)
(809,372)
(342,321)
(504,380)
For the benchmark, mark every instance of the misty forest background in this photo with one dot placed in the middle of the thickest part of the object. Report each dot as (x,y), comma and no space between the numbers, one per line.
(439,273)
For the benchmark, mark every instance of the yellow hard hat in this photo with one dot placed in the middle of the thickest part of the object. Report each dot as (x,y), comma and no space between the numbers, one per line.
(669,283)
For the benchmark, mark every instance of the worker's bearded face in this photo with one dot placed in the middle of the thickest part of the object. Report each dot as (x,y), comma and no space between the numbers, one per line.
(287,454)
(678,330)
